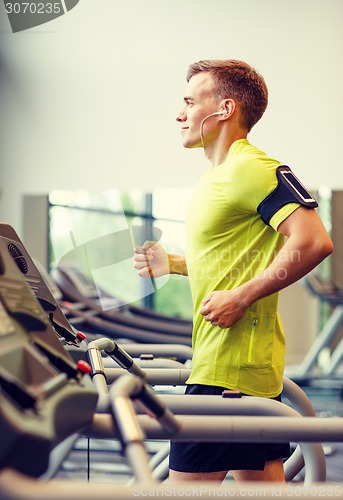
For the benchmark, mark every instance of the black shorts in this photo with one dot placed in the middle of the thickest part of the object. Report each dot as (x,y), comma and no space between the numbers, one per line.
(214,456)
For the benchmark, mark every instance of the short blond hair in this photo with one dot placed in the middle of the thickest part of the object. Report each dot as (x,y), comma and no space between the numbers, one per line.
(239,81)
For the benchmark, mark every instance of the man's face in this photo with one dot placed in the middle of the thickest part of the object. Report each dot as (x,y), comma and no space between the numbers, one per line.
(199,102)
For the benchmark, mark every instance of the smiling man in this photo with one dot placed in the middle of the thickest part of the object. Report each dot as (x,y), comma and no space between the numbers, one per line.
(237,261)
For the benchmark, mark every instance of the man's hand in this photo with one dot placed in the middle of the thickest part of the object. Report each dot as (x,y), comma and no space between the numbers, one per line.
(223,308)
(151,260)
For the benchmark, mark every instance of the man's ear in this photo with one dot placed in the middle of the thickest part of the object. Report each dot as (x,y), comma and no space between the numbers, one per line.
(229,106)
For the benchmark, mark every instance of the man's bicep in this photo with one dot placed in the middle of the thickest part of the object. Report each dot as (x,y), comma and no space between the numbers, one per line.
(303,222)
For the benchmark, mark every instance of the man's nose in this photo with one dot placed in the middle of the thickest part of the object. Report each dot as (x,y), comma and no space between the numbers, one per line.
(181,117)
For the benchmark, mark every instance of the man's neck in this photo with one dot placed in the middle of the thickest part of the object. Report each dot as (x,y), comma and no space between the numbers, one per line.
(219,151)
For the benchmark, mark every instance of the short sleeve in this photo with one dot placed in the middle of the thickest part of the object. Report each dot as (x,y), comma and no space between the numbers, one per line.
(282,214)
(250,183)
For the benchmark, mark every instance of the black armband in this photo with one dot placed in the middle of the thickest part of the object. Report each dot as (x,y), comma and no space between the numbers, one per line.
(288,190)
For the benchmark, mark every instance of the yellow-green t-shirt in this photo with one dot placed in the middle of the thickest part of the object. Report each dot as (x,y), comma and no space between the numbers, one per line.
(228,244)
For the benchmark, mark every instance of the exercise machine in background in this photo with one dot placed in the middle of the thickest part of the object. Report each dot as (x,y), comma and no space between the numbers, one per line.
(322,365)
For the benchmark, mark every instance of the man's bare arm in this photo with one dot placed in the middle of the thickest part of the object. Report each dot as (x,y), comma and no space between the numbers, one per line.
(308,243)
